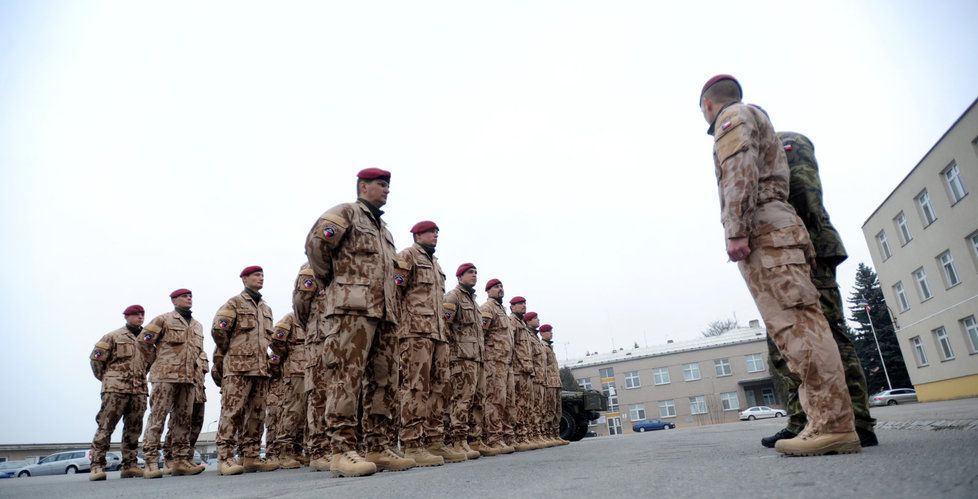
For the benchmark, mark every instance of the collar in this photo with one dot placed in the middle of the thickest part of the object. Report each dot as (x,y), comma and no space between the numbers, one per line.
(714,124)
(373,210)
(254,295)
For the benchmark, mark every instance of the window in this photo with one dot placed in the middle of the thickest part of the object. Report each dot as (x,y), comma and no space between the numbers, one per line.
(927,215)
(729,401)
(768,395)
(637,412)
(691,372)
(722,366)
(901,295)
(903,230)
(943,343)
(661,375)
(614,426)
(697,405)
(974,243)
(922,287)
(608,372)
(950,273)
(632,380)
(971,332)
(884,245)
(918,351)
(755,363)
(584,383)
(667,409)
(609,391)
(955,184)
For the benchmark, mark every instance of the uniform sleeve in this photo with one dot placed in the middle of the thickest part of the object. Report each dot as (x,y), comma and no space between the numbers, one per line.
(805,194)
(150,336)
(325,236)
(303,293)
(736,173)
(280,337)
(222,327)
(101,355)
(202,365)
(404,270)
(450,311)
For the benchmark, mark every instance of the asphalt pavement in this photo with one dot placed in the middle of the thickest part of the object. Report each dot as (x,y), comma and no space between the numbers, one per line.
(926,450)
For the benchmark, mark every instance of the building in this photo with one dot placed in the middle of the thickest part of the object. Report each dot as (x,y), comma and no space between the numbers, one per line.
(32,453)
(924,243)
(697,382)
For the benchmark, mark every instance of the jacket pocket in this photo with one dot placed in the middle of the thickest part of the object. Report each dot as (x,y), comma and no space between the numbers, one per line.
(350,294)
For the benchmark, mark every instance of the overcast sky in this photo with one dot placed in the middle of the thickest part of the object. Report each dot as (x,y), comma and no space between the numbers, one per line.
(146,147)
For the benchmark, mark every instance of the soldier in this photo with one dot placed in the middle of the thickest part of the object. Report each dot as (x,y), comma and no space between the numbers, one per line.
(539,407)
(522,369)
(352,255)
(286,422)
(304,295)
(805,196)
(196,415)
(179,341)
(498,334)
(552,384)
(120,361)
(468,377)
(772,248)
(241,331)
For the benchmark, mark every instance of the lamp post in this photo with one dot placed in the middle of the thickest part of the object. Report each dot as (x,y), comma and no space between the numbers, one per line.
(865,305)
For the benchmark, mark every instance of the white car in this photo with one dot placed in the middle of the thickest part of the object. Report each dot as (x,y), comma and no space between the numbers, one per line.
(760,411)
(893,397)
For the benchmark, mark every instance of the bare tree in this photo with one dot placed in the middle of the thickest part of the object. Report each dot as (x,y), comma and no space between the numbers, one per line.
(716,328)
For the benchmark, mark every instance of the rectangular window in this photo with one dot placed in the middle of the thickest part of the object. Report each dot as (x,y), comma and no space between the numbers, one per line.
(927,215)
(970,327)
(955,184)
(884,245)
(943,343)
(973,239)
(607,372)
(755,363)
(667,409)
(729,401)
(918,351)
(922,287)
(901,295)
(722,367)
(697,405)
(903,230)
(614,426)
(637,412)
(768,395)
(608,388)
(947,266)
(691,372)
(661,375)
(584,383)
(632,380)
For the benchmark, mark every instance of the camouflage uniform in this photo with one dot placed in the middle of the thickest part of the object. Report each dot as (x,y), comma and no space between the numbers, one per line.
(540,408)
(284,430)
(196,414)
(241,331)
(468,377)
(352,255)
(805,195)
(552,384)
(498,333)
(120,361)
(304,296)
(179,342)
(752,178)
(522,369)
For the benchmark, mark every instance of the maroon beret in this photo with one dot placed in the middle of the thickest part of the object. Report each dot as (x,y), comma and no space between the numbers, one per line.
(463,269)
(517,299)
(718,78)
(181,291)
(374,174)
(529,316)
(546,327)
(423,226)
(250,270)
(491,283)
(133,309)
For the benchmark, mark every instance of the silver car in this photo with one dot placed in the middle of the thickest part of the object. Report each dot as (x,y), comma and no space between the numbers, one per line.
(894,396)
(69,462)
(760,411)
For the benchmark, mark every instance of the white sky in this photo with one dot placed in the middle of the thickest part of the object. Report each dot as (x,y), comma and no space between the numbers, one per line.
(558,145)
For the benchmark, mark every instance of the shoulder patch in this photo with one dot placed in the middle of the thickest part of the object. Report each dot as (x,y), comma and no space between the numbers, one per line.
(153,328)
(486,318)
(448,311)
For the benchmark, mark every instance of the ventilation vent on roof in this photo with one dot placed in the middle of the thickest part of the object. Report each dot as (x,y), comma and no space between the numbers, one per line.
(629,353)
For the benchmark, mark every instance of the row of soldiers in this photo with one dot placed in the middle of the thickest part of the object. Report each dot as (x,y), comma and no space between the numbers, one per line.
(376,367)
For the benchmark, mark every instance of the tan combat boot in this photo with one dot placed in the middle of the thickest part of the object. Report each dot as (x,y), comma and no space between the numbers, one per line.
(478,446)
(319,464)
(814,443)
(152,470)
(131,471)
(304,459)
(470,453)
(253,464)
(229,467)
(449,454)
(183,467)
(388,460)
(490,450)
(523,446)
(289,463)
(97,473)
(506,448)
(423,457)
(351,463)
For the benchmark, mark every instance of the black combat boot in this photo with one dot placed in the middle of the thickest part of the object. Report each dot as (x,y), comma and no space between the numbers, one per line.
(781,435)
(867,438)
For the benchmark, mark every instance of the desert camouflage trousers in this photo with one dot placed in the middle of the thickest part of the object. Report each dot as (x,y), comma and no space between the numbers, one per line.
(523,403)
(359,360)
(423,393)
(177,401)
(778,276)
(496,403)
(241,422)
(823,276)
(317,437)
(509,435)
(283,426)
(196,424)
(554,408)
(541,410)
(129,407)
(468,391)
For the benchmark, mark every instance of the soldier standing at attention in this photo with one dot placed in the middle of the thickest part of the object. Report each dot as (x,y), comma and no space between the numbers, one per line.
(196,415)
(352,255)
(120,361)
(551,382)
(539,406)
(468,378)
(498,333)
(304,296)
(286,421)
(772,248)
(805,196)
(179,341)
(241,332)
(522,375)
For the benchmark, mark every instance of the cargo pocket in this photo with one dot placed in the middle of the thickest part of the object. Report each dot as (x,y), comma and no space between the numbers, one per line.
(331,353)
(351,294)
(787,276)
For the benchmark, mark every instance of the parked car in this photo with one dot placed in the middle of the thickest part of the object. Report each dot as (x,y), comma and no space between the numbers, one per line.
(9,469)
(894,396)
(652,424)
(60,463)
(759,412)
(141,459)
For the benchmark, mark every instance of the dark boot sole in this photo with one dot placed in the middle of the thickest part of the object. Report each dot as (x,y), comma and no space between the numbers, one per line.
(842,448)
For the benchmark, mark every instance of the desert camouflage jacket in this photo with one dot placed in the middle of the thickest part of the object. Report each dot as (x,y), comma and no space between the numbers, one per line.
(498,332)
(289,341)
(464,326)
(522,346)
(242,333)
(552,379)
(179,343)
(120,360)
(423,295)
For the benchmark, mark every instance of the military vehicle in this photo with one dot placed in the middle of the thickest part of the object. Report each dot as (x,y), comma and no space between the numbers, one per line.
(578,409)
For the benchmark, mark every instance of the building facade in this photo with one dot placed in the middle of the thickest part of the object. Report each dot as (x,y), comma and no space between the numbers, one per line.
(924,243)
(691,383)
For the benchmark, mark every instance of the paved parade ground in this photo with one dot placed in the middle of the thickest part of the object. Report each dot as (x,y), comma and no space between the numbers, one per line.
(926,450)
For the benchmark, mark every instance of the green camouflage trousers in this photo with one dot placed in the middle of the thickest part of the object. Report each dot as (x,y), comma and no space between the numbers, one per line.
(823,276)
(115,406)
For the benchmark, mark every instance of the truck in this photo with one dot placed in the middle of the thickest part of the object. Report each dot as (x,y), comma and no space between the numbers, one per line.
(578,409)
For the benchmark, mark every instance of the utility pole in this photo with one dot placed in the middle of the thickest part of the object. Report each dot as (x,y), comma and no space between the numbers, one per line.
(872,328)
